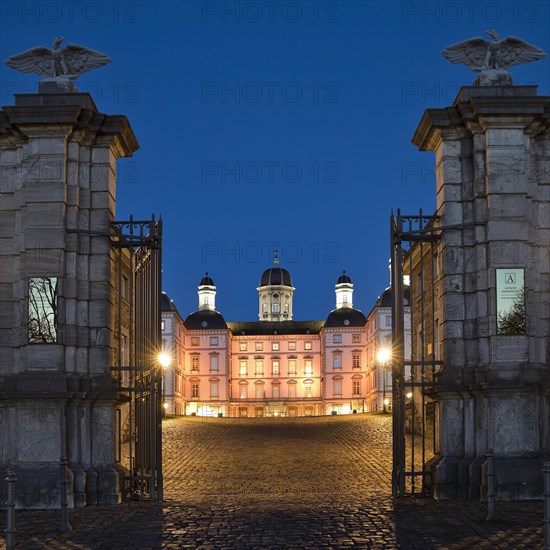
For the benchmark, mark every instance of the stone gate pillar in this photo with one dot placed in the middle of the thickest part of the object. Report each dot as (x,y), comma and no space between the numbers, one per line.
(492,150)
(57,198)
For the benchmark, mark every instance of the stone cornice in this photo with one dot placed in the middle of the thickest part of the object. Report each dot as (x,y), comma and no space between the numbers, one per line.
(18,121)
(473,104)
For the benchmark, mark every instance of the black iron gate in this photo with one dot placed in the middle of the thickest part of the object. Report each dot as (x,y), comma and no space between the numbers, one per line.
(138,248)
(416,361)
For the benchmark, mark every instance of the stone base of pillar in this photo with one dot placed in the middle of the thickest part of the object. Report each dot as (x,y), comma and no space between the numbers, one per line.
(516,478)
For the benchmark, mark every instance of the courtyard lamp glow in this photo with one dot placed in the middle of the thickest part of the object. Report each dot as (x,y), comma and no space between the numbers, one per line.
(383,356)
(165,360)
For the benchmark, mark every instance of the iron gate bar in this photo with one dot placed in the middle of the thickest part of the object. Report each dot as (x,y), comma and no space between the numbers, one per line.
(143,240)
(417,231)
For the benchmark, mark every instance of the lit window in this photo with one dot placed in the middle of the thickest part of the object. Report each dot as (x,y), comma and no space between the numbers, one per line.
(195,362)
(292,366)
(308,392)
(194,390)
(307,345)
(356,338)
(337,387)
(337,361)
(259,346)
(275,307)
(242,368)
(162,325)
(194,340)
(356,387)
(214,389)
(276,367)
(275,346)
(214,362)
(276,391)
(356,360)
(292,390)
(259,367)
(243,392)
(308,366)
(242,346)
(259,391)
(292,346)
(42,324)
(214,341)
(337,339)
(264,309)
(287,308)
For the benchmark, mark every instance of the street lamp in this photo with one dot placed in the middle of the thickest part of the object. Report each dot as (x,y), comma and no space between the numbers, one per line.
(165,361)
(384,356)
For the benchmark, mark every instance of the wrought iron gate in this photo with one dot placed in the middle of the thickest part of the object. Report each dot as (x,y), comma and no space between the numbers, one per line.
(138,261)
(415,257)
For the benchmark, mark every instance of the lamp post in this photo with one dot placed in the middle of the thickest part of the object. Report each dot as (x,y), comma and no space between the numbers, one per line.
(165,361)
(383,357)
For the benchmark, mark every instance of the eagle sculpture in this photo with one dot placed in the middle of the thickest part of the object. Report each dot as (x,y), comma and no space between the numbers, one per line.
(497,54)
(63,64)
(494,56)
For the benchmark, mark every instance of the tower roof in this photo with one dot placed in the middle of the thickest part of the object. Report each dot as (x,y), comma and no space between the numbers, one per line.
(206,280)
(276,276)
(343,278)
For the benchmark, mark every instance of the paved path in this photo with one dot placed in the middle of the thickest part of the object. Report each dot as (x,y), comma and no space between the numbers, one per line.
(283,483)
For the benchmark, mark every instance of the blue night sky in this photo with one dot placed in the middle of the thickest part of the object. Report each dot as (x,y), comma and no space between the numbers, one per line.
(286,122)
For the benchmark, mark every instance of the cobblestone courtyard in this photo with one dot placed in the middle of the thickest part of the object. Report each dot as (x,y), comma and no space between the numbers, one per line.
(283,483)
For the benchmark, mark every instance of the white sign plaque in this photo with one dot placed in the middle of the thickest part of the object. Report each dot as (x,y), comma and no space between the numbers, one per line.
(510,300)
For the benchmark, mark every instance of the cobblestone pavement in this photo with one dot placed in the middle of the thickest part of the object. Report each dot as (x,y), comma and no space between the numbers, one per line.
(283,483)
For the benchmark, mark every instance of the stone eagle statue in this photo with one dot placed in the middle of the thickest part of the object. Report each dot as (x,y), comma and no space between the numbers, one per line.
(492,58)
(58,64)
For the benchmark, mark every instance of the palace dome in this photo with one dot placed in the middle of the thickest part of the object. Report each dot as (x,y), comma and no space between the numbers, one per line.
(276,276)
(205,319)
(346,317)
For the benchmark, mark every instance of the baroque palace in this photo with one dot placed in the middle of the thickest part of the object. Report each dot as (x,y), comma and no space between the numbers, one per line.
(277,366)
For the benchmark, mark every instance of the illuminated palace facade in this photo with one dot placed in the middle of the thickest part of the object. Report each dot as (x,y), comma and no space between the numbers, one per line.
(274,366)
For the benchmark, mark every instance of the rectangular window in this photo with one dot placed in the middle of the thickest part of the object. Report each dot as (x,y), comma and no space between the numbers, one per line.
(356,338)
(194,340)
(275,346)
(356,387)
(243,392)
(336,361)
(242,346)
(292,390)
(194,390)
(125,288)
(307,345)
(292,366)
(195,362)
(356,361)
(242,368)
(259,346)
(213,362)
(259,391)
(308,392)
(276,391)
(214,389)
(337,339)
(292,346)
(42,324)
(162,325)
(308,366)
(213,340)
(388,320)
(275,367)
(337,387)
(259,367)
